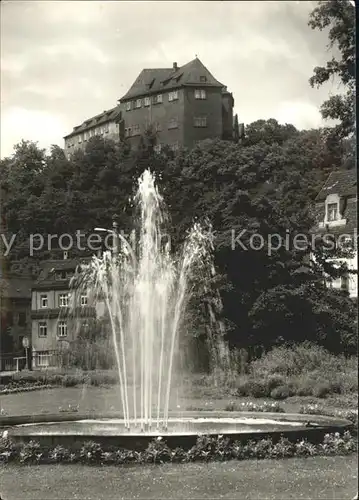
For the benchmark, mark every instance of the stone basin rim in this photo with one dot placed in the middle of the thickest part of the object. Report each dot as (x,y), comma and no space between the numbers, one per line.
(319,421)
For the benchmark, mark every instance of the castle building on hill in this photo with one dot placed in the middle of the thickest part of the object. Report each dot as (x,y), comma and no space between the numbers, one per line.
(180,105)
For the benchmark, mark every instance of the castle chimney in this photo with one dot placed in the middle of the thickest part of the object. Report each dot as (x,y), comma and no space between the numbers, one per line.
(175,67)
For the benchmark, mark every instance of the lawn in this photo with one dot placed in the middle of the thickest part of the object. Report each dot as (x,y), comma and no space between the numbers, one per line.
(89,398)
(319,478)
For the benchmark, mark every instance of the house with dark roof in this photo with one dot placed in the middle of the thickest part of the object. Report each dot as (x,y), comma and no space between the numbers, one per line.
(336,214)
(181,105)
(58,311)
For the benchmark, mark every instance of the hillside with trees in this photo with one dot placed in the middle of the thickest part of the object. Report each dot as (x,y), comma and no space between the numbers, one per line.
(263,184)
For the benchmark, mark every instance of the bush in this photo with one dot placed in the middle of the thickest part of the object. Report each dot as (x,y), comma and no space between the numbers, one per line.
(299,359)
(70,381)
(251,388)
(281,392)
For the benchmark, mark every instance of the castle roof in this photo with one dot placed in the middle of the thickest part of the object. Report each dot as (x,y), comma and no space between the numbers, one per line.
(157,80)
(104,117)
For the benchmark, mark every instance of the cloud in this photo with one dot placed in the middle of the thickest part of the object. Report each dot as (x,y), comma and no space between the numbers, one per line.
(19,123)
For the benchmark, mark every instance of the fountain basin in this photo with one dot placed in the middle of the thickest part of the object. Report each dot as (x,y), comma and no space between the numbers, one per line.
(72,430)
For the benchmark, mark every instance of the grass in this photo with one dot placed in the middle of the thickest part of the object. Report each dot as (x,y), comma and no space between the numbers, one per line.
(315,478)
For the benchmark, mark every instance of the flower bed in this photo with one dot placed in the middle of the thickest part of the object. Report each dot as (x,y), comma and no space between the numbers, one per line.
(206,448)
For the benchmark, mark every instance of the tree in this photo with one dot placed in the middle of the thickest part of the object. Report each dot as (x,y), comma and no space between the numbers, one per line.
(339,17)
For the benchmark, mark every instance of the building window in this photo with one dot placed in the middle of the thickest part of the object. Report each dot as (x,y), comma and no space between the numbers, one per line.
(173,96)
(174,146)
(43,301)
(158,127)
(147,101)
(173,123)
(157,99)
(200,121)
(43,358)
(42,329)
(332,212)
(129,131)
(136,130)
(62,329)
(200,94)
(157,148)
(138,103)
(22,319)
(106,128)
(80,139)
(203,79)
(126,132)
(128,106)
(83,300)
(64,300)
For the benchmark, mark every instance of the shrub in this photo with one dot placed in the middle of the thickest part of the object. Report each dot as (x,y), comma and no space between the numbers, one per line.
(60,454)
(252,388)
(91,452)
(322,390)
(281,392)
(30,452)
(70,381)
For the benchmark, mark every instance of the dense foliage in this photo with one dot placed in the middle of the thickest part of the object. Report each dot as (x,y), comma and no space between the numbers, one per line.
(338,17)
(263,187)
(256,191)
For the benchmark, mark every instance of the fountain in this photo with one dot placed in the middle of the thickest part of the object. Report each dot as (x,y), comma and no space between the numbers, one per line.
(145,290)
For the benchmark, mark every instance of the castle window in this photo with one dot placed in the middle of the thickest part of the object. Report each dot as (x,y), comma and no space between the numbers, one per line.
(173,96)
(200,121)
(200,94)
(147,101)
(173,123)
(62,329)
(332,212)
(42,329)
(128,106)
(138,103)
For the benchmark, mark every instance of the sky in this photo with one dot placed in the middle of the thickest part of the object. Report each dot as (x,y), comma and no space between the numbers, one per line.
(65,61)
